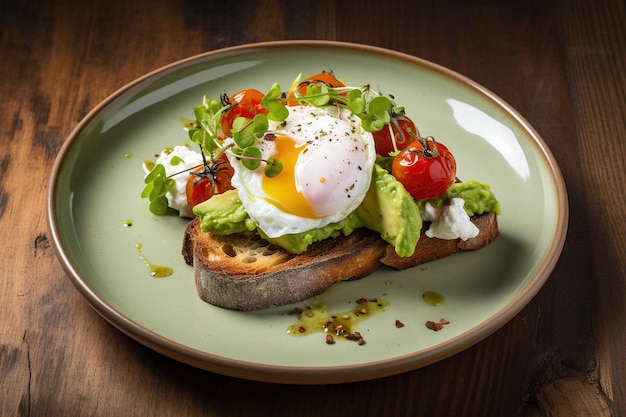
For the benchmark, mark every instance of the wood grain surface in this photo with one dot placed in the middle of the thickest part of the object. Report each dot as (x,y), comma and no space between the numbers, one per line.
(560,63)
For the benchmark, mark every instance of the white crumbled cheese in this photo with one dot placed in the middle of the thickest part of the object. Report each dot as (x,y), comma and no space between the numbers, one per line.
(449,221)
(177,197)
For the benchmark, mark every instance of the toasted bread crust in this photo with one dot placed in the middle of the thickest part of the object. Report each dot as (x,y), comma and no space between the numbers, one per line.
(229,275)
(430,249)
(244,272)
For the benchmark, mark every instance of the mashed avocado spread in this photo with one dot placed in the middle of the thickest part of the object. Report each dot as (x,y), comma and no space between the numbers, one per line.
(478,197)
(387,208)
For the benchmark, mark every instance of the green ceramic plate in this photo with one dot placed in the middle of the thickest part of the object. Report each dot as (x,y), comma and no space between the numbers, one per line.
(97,179)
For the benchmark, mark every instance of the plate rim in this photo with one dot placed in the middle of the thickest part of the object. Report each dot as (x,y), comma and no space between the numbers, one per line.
(318,374)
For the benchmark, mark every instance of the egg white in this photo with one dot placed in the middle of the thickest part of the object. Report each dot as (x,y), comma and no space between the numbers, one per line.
(334,172)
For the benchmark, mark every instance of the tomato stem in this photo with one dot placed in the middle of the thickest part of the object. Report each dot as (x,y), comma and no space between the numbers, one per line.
(427,151)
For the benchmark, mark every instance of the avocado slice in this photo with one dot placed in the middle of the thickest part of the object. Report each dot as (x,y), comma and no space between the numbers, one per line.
(390,210)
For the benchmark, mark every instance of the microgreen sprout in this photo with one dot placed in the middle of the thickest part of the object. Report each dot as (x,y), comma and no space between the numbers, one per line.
(157,185)
(429,148)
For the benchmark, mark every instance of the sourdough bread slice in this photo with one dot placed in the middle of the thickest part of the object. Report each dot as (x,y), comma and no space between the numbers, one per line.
(245,272)
(430,249)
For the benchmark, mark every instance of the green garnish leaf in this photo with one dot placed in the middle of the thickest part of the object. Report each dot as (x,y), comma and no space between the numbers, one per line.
(272,101)
(176,160)
(157,171)
(378,114)
(273,167)
(159,206)
(208,116)
(243,133)
(247,131)
(157,185)
(260,124)
(274,92)
(380,106)
(277,111)
(251,157)
(356,101)
(195,135)
(317,94)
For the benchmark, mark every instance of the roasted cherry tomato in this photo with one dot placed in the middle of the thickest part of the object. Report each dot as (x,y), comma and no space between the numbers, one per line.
(246,103)
(206,181)
(426,168)
(404,132)
(324,77)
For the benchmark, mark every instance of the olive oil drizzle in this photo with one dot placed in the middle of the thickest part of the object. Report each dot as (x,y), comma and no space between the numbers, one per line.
(156,271)
(433,298)
(317,319)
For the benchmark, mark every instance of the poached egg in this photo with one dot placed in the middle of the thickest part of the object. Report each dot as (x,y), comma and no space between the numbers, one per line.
(327,160)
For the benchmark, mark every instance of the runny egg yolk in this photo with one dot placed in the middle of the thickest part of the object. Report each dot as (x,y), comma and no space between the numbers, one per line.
(284,189)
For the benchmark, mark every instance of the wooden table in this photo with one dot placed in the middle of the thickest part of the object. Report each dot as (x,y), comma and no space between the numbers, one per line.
(561,64)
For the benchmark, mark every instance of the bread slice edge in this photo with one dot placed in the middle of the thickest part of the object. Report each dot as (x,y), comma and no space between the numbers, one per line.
(246,273)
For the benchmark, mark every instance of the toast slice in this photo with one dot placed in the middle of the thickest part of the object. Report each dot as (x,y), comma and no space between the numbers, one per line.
(245,272)
(430,249)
